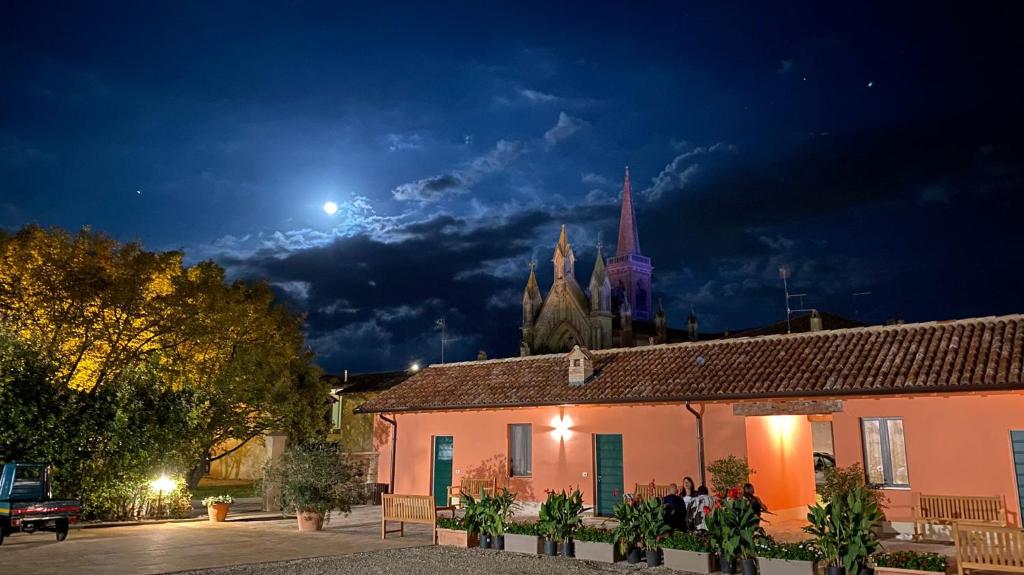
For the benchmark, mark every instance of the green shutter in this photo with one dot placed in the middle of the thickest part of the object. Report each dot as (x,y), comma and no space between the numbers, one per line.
(444,450)
(608,453)
(1017,443)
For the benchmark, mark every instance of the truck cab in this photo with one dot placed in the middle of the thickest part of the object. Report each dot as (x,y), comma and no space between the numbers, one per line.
(27,503)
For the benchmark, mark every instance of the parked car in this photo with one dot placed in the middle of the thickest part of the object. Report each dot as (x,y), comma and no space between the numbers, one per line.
(822,461)
(27,503)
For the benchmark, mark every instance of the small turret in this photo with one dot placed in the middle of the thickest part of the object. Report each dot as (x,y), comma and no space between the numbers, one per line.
(600,287)
(532,298)
(661,324)
(691,326)
(564,259)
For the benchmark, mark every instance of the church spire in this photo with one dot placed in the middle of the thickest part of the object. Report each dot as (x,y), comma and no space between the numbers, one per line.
(629,240)
(564,259)
(532,298)
(600,288)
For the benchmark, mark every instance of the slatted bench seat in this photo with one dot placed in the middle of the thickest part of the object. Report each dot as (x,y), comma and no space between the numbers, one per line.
(951,509)
(472,486)
(409,509)
(988,547)
(646,490)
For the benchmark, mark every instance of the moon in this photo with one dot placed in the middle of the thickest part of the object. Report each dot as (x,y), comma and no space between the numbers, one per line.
(330,208)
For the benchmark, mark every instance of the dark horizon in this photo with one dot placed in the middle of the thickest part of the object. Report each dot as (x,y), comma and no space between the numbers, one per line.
(869,148)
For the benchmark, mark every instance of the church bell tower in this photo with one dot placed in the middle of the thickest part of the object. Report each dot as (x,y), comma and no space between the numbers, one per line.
(629,271)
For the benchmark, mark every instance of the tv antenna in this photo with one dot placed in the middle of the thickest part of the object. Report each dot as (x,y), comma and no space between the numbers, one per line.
(856,311)
(442,325)
(784,274)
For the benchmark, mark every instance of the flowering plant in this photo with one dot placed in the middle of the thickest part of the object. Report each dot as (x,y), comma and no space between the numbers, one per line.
(911,560)
(208,501)
(733,527)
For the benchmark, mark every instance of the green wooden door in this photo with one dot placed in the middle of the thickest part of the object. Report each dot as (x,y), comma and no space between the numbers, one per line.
(608,457)
(444,448)
(1017,443)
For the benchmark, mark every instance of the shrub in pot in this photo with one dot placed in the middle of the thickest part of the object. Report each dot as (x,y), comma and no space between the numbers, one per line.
(476,518)
(596,544)
(843,529)
(312,480)
(627,532)
(653,528)
(560,516)
(689,551)
(497,513)
(523,538)
(800,558)
(728,473)
(733,527)
(217,507)
(909,563)
(454,532)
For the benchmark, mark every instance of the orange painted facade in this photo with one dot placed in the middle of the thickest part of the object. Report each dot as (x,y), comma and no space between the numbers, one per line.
(954,445)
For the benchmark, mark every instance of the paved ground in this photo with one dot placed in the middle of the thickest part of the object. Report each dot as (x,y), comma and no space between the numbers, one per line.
(197,545)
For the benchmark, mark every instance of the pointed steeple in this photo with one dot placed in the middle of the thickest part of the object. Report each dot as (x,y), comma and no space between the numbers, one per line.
(532,298)
(629,239)
(564,259)
(600,288)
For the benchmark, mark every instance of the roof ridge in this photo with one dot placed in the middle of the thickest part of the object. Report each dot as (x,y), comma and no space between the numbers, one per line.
(736,340)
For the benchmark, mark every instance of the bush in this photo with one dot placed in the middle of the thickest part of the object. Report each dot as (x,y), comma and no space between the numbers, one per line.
(843,530)
(799,551)
(594,534)
(314,477)
(561,514)
(733,528)
(651,515)
(697,541)
(728,473)
(628,532)
(523,528)
(451,523)
(911,560)
(841,480)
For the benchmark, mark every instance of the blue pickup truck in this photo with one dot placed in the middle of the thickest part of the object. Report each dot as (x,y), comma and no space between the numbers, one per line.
(27,503)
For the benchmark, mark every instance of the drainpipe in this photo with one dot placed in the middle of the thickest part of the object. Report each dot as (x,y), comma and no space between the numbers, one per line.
(699,415)
(394,447)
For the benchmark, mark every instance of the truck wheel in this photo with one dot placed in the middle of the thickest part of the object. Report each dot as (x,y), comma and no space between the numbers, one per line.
(62,530)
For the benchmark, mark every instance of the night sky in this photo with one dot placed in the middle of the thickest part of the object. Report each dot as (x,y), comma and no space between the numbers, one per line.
(869,149)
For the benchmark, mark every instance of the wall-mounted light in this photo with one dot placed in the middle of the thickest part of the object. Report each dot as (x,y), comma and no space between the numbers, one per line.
(561,428)
(783,426)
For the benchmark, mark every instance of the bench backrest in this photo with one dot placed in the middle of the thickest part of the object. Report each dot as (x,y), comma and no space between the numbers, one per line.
(475,486)
(647,490)
(979,509)
(989,547)
(409,508)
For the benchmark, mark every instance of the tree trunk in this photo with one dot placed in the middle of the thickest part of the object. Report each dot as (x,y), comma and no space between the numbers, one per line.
(198,471)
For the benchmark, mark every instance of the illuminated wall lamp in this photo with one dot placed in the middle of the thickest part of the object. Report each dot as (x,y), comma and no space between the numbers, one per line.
(561,428)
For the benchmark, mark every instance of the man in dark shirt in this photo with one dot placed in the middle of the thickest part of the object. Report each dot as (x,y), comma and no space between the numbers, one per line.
(675,508)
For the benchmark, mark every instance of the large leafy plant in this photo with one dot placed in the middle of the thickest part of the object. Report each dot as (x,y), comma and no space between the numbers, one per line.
(497,511)
(561,514)
(477,514)
(651,516)
(628,532)
(841,480)
(733,528)
(314,477)
(843,528)
(728,473)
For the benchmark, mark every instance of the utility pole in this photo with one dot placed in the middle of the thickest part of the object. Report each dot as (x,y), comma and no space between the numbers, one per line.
(784,274)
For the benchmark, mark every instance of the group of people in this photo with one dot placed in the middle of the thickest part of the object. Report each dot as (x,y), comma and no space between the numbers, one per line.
(685,510)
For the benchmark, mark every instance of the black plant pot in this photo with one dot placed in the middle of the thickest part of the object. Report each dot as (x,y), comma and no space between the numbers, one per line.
(550,547)
(835,570)
(728,566)
(498,542)
(748,566)
(653,557)
(569,548)
(865,570)
(634,556)
(485,540)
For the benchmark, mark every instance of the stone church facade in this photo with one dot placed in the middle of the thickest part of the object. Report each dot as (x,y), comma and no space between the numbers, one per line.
(616,308)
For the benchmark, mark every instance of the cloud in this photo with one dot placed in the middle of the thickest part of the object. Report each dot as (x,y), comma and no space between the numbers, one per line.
(437,187)
(678,173)
(563,129)
(398,142)
(786,66)
(537,97)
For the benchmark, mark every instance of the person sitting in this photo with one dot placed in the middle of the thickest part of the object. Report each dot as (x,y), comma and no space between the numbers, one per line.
(699,508)
(675,508)
(689,490)
(755,502)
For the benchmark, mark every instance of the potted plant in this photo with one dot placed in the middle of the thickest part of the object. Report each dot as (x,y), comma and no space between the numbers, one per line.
(627,532)
(523,538)
(728,473)
(453,532)
(651,515)
(560,515)
(499,510)
(909,563)
(689,551)
(732,527)
(217,507)
(800,558)
(596,544)
(477,517)
(311,480)
(843,528)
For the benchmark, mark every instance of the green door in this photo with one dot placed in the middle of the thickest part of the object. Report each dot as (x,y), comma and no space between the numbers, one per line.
(608,456)
(1017,443)
(444,447)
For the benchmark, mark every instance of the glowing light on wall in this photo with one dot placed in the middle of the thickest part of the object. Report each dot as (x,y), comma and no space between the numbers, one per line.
(782,426)
(561,428)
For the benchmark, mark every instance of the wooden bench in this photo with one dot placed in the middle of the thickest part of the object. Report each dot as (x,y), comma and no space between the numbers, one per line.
(409,509)
(951,509)
(647,490)
(472,486)
(988,547)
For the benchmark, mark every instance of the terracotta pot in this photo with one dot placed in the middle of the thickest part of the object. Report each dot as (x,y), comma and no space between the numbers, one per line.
(218,511)
(310,521)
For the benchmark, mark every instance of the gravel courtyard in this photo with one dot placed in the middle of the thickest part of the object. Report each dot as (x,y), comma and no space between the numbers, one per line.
(424,561)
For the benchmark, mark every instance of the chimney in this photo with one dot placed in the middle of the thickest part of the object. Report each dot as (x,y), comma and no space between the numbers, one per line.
(815,320)
(581,365)
(481,355)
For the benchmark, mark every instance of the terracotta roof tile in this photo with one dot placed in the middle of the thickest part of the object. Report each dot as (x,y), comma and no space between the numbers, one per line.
(951,356)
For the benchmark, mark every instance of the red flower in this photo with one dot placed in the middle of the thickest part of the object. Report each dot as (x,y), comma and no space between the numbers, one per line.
(707,510)
(733,493)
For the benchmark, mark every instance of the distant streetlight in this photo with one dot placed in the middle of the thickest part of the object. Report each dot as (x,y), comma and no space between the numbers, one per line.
(163,484)
(414,367)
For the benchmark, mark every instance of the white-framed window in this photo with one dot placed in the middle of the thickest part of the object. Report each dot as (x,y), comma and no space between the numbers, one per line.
(885,451)
(520,450)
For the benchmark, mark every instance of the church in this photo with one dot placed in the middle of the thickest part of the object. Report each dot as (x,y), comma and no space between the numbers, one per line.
(616,309)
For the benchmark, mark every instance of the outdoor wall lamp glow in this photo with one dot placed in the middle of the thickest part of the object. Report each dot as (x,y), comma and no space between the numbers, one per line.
(561,428)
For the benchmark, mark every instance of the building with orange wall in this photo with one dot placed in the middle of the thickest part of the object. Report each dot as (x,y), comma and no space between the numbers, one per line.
(932,408)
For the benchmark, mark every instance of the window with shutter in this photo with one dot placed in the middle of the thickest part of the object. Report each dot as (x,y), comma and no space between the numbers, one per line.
(520,449)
